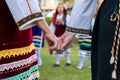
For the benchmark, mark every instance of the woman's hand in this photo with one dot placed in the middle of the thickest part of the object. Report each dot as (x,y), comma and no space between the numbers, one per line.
(53,42)
(66,39)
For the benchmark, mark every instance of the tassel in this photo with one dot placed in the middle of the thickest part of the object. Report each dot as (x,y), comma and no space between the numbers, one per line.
(114,75)
(112,60)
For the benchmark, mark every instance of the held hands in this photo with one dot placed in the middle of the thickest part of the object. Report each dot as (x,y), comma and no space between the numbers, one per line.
(66,40)
(61,44)
(54,43)
(52,40)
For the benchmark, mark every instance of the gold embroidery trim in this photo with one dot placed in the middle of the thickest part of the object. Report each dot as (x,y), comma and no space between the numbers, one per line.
(16,51)
(28,18)
(81,31)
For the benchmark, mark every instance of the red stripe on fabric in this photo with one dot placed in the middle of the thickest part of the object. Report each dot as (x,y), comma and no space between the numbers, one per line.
(29,6)
(16,71)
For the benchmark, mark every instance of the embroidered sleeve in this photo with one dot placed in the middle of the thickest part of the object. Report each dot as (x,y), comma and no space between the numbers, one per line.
(25,12)
(81,16)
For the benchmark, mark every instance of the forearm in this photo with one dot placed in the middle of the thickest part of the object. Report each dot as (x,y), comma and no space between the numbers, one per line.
(44,26)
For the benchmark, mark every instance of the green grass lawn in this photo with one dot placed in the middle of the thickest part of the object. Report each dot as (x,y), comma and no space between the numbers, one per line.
(47,72)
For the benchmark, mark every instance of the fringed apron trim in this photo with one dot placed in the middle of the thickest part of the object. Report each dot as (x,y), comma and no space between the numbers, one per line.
(115,17)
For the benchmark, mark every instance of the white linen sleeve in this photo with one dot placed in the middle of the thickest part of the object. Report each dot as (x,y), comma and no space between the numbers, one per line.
(81,16)
(25,12)
(67,19)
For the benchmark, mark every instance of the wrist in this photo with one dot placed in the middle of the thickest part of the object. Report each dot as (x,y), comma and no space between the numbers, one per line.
(70,33)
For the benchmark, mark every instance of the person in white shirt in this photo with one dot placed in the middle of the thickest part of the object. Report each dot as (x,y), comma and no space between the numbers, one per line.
(105,56)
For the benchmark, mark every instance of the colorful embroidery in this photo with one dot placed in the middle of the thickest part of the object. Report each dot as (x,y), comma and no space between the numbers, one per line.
(16,51)
(32,72)
(28,18)
(17,64)
(81,31)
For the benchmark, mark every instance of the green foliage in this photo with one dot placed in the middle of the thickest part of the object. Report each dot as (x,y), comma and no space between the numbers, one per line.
(73,1)
(48,19)
(47,72)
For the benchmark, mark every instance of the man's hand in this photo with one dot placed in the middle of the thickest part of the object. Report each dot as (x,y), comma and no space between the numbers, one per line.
(66,40)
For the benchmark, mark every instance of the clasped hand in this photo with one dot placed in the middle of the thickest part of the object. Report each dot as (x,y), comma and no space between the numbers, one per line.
(64,42)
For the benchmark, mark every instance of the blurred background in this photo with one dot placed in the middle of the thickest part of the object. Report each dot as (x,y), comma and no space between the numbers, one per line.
(48,6)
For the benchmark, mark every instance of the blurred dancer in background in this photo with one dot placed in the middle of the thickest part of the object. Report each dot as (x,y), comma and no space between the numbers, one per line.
(58,26)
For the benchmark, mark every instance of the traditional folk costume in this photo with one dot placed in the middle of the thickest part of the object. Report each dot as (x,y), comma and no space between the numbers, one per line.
(85,46)
(84,49)
(58,30)
(105,40)
(37,40)
(18,60)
